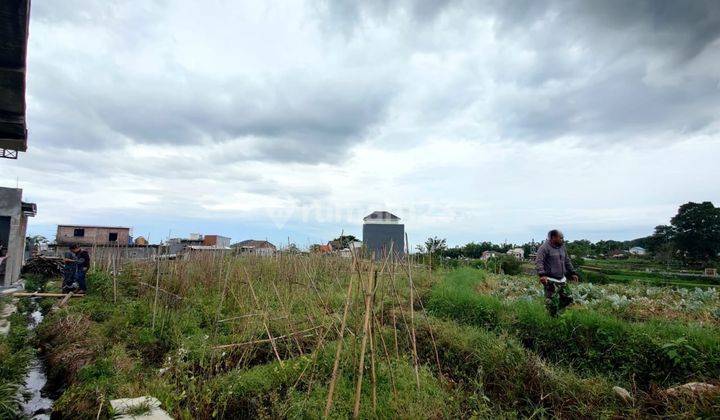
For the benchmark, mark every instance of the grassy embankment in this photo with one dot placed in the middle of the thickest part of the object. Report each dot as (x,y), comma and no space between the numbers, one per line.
(229,337)
(646,355)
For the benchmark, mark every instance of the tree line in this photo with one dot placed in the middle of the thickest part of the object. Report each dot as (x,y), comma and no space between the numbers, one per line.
(692,238)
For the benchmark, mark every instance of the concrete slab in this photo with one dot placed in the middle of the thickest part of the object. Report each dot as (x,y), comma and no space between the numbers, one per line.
(124,406)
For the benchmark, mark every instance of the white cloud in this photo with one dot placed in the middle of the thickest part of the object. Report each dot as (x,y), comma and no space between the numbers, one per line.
(472,122)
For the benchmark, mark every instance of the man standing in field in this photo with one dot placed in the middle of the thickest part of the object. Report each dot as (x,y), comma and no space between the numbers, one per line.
(83,265)
(553,265)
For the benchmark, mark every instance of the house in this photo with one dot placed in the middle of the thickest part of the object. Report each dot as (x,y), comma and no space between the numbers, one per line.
(486,255)
(617,254)
(637,250)
(14,215)
(383,234)
(141,241)
(255,247)
(354,247)
(322,249)
(216,241)
(92,235)
(518,253)
(197,242)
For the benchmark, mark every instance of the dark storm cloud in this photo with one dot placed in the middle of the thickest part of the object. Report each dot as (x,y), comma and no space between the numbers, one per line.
(684,28)
(593,66)
(298,118)
(688,26)
(92,100)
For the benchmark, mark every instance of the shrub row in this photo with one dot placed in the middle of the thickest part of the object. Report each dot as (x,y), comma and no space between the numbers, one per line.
(654,352)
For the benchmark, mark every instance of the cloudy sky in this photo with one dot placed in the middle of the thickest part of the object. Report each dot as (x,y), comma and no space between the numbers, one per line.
(471,120)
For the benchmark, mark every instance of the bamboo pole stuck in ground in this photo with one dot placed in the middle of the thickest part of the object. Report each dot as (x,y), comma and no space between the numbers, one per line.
(336,363)
(287,314)
(264,321)
(373,377)
(114,276)
(412,317)
(366,332)
(157,291)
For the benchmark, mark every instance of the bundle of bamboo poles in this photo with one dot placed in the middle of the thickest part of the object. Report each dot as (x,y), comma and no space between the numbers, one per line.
(44,266)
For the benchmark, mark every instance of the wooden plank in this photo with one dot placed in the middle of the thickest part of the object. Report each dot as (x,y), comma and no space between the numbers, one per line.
(65,299)
(39,294)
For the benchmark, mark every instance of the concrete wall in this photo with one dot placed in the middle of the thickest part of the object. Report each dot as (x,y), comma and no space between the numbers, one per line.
(10,205)
(94,235)
(377,239)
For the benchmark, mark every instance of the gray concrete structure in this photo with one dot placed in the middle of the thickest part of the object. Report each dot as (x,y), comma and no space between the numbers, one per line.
(383,235)
(14,23)
(14,215)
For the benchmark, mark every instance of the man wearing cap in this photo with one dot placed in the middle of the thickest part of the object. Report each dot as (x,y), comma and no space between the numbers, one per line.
(553,266)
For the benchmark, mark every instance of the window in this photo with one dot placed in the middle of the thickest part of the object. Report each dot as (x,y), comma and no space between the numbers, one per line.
(78,233)
(112,237)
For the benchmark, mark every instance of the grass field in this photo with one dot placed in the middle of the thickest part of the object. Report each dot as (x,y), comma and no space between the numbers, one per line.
(644,271)
(307,336)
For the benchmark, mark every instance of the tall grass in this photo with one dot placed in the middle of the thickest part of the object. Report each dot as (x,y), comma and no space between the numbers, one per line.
(293,336)
(15,355)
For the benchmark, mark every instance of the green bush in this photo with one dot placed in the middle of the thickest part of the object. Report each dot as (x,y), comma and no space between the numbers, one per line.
(34,282)
(510,265)
(594,277)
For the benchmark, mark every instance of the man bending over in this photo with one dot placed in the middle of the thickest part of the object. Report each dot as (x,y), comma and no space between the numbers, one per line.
(553,265)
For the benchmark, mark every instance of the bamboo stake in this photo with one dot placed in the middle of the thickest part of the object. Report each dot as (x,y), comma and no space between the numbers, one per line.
(114,271)
(432,337)
(287,312)
(157,291)
(265,324)
(266,340)
(142,283)
(336,363)
(366,330)
(412,320)
(387,358)
(372,365)
(41,294)
(397,350)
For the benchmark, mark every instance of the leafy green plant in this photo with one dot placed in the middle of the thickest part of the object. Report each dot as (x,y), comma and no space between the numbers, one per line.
(680,352)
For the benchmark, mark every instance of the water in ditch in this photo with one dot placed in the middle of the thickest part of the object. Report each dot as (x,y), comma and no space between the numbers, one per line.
(39,405)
